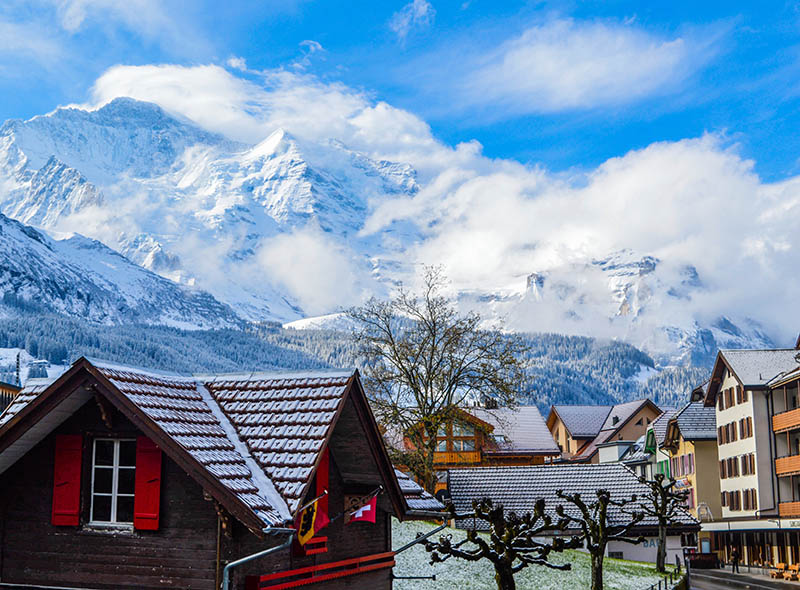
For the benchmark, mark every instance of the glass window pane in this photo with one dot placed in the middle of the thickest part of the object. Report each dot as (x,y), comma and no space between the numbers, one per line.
(125,509)
(101,509)
(127,452)
(462,429)
(102,480)
(104,452)
(468,444)
(441,446)
(442,431)
(125,483)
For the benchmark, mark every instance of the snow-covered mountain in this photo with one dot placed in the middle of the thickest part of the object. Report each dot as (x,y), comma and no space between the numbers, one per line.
(248,223)
(194,206)
(81,277)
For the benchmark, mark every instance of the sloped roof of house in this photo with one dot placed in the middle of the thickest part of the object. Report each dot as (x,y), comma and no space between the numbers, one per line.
(518,488)
(582,421)
(696,421)
(254,438)
(754,369)
(416,496)
(660,425)
(518,430)
(619,415)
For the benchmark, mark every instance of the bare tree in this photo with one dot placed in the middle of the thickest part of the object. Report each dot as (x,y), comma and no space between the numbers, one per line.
(666,505)
(423,360)
(512,544)
(596,526)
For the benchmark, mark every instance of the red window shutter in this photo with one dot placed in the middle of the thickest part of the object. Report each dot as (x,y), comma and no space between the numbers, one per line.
(67,480)
(148,485)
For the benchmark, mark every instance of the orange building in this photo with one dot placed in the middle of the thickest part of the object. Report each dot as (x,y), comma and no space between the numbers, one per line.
(480,437)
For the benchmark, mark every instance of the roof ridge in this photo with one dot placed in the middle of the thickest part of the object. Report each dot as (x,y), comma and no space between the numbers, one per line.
(262,481)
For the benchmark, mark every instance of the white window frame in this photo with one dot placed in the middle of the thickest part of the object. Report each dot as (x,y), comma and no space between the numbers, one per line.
(115,467)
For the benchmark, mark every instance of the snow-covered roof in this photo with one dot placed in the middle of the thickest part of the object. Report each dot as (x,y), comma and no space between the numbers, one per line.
(518,430)
(755,368)
(697,421)
(258,434)
(582,421)
(518,489)
(416,496)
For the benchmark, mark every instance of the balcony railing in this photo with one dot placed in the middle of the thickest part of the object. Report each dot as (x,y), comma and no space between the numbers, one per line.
(787,465)
(456,457)
(786,420)
(789,509)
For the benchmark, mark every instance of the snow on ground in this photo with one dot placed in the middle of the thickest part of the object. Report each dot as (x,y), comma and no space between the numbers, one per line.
(457,574)
(8,361)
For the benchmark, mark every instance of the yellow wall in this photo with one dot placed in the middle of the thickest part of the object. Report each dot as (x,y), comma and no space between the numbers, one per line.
(704,480)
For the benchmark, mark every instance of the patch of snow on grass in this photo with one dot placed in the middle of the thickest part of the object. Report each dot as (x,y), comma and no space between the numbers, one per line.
(457,574)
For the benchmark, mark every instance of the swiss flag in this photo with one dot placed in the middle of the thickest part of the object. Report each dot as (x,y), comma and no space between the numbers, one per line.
(366,513)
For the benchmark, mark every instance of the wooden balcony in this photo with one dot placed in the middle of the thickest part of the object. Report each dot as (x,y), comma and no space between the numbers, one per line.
(787,465)
(789,509)
(786,421)
(457,458)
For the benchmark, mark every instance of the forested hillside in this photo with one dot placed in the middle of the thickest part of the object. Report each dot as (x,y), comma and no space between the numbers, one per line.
(564,369)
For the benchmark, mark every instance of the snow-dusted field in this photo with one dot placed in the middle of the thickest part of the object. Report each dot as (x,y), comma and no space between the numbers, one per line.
(457,574)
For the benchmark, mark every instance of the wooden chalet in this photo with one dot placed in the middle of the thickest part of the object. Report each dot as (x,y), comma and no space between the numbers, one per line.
(477,437)
(116,477)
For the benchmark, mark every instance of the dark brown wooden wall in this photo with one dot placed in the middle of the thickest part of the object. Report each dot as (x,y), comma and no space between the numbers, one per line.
(344,541)
(181,554)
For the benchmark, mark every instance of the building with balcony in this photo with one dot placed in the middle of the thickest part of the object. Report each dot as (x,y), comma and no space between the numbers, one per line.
(785,401)
(755,463)
(480,437)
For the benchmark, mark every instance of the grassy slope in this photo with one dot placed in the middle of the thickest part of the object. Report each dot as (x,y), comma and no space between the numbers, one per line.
(456,574)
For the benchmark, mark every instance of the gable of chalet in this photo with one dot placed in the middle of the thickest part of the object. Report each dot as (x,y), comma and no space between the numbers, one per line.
(752,369)
(254,442)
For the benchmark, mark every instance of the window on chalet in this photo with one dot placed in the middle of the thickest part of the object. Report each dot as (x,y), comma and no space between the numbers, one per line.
(113,480)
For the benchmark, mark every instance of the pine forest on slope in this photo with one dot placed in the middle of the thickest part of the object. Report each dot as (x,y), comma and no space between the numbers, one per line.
(564,369)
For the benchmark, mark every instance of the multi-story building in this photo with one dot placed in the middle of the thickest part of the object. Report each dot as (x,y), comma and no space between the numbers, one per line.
(579,430)
(691,439)
(744,399)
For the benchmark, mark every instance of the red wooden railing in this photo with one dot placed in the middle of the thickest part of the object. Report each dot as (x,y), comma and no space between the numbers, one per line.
(320,573)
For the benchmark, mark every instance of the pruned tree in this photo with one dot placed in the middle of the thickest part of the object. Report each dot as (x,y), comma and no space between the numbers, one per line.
(666,505)
(598,527)
(513,543)
(423,360)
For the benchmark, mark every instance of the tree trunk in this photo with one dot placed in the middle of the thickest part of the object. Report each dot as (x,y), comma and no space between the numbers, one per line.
(504,578)
(661,558)
(429,480)
(597,570)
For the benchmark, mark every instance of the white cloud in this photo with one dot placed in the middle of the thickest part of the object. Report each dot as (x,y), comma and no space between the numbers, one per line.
(492,222)
(561,65)
(415,14)
(319,272)
(237,63)
(28,41)
(146,16)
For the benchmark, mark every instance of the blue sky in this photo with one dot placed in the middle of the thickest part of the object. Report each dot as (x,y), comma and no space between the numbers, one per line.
(562,85)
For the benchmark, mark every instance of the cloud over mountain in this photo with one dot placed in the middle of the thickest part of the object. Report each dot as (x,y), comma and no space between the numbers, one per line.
(526,243)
